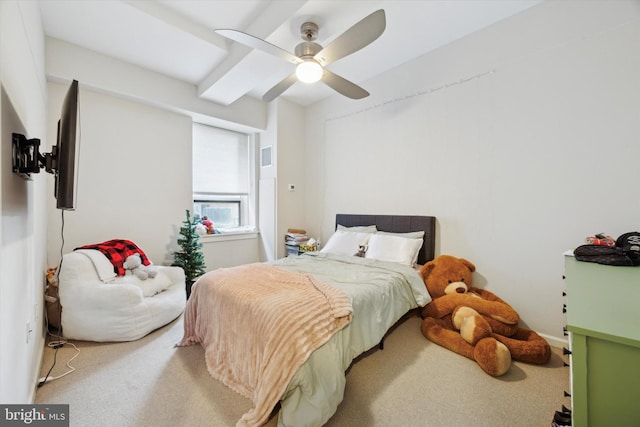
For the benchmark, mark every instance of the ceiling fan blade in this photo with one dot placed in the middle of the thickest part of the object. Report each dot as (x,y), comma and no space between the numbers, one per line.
(355,38)
(275,91)
(343,86)
(256,43)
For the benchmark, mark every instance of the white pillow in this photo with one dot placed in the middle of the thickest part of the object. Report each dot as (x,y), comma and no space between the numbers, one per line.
(392,248)
(409,235)
(346,242)
(359,228)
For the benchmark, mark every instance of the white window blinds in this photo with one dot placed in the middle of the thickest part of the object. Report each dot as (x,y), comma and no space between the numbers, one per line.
(220,161)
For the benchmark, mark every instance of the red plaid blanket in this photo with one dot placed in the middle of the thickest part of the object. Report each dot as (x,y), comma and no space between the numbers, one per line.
(117,251)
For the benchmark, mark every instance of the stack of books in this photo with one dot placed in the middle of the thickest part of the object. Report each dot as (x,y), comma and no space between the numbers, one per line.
(295,237)
(296,241)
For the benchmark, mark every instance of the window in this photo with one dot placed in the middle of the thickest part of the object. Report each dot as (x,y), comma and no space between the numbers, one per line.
(224,178)
(222,214)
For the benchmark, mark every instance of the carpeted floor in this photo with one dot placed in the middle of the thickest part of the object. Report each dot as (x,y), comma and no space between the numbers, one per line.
(412,382)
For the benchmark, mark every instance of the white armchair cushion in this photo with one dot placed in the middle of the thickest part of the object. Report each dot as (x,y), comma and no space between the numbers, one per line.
(118,310)
(150,286)
(101,263)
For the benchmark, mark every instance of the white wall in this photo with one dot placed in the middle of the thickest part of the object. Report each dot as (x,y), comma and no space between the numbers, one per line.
(281,209)
(134,180)
(22,203)
(230,250)
(521,139)
(267,191)
(291,170)
(142,132)
(65,61)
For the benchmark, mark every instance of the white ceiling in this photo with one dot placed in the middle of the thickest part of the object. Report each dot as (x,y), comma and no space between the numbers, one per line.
(177,37)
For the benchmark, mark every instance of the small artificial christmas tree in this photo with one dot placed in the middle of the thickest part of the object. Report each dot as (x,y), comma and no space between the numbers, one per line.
(191,258)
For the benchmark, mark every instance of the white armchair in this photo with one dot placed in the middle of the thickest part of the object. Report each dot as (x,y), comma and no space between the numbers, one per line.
(116,309)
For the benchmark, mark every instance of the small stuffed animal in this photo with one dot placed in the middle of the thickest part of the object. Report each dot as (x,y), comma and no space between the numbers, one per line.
(474,322)
(133,263)
(201,229)
(362,250)
(208,224)
(51,297)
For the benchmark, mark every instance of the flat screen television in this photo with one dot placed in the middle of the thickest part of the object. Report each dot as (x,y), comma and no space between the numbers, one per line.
(67,155)
(62,161)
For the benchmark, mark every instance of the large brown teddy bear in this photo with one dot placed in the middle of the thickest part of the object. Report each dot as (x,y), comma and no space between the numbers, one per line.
(474,322)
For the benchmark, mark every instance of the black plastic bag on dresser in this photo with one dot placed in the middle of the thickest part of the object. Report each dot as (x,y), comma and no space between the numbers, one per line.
(629,242)
(625,253)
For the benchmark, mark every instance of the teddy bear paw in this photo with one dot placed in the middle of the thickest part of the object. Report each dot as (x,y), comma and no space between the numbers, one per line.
(141,274)
(493,357)
(461,313)
(475,328)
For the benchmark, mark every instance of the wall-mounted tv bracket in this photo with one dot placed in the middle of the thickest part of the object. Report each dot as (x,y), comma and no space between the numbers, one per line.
(27,158)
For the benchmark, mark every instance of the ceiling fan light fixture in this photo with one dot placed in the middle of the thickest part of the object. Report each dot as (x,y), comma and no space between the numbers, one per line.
(309,71)
(311,58)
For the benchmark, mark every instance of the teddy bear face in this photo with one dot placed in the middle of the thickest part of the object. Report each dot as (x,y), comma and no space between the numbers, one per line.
(447,275)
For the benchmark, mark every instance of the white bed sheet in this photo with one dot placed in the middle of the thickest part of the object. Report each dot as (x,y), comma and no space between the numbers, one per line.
(381,293)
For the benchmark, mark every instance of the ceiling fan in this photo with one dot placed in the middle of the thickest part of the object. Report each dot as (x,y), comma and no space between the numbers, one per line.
(311,59)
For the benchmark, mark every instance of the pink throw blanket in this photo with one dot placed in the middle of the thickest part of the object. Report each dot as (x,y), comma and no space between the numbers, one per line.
(258,324)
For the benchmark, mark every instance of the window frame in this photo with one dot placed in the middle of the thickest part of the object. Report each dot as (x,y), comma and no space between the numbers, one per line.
(247,202)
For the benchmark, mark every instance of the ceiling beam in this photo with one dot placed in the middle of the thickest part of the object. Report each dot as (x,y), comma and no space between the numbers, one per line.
(169,16)
(273,15)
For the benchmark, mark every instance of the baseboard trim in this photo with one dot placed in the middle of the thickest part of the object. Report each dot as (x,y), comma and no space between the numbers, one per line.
(555,341)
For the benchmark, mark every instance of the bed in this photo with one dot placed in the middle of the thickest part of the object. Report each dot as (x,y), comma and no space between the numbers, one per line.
(304,319)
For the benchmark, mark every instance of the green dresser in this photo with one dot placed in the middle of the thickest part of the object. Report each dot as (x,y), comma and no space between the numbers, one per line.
(603,318)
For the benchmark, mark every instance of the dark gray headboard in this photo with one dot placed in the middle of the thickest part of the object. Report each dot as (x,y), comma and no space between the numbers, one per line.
(398,224)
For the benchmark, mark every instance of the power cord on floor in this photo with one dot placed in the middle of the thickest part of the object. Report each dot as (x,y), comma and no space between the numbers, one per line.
(59,341)
(57,345)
